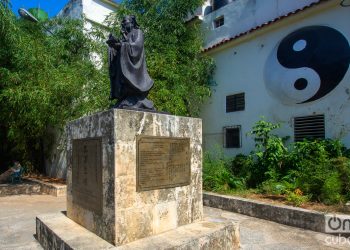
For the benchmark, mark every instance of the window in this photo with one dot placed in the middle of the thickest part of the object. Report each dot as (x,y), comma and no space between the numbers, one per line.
(232,137)
(309,127)
(235,102)
(219,22)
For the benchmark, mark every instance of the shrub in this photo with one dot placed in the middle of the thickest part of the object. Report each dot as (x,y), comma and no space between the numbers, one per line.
(309,170)
(217,176)
(342,166)
(269,153)
(241,166)
(331,189)
(334,148)
(297,198)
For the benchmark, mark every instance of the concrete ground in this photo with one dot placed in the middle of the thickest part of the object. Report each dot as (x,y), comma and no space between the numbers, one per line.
(17,226)
(261,234)
(17,218)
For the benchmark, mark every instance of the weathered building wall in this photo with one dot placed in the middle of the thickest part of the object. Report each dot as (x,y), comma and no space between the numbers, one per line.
(249,65)
(242,15)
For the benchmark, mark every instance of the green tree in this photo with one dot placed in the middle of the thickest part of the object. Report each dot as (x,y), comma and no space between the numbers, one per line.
(173,53)
(45,80)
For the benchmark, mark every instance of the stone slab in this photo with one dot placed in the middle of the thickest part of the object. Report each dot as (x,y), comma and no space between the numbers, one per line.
(287,215)
(25,187)
(50,188)
(56,231)
(128,214)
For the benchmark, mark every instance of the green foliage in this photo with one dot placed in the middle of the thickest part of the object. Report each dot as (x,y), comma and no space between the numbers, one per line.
(277,187)
(334,148)
(331,189)
(270,152)
(342,167)
(296,199)
(46,80)
(309,170)
(241,165)
(216,174)
(173,53)
(261,132)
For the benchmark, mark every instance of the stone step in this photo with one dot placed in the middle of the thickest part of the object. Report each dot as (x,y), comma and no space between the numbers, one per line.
(57,231)
(25,187)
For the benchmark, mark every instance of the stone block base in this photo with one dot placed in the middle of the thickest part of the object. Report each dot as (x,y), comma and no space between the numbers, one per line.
(57,231)
(51,188)
(25,187)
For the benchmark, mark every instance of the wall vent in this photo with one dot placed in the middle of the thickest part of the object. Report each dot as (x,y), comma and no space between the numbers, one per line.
(235,102)
(309,127)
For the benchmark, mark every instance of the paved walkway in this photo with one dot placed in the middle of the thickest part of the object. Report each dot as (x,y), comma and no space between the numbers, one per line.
(17,218)
(17,226)
(261,234)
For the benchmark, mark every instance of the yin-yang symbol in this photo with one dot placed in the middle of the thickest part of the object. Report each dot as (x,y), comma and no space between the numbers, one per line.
(307,64)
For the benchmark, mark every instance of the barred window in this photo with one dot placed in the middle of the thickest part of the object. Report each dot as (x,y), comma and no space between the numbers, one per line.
(232,137)
(309,127)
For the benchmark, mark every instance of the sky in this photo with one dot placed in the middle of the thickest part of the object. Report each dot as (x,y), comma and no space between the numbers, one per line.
(52,7)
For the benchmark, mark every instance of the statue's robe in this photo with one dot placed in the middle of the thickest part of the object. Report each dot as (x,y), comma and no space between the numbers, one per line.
(127,68)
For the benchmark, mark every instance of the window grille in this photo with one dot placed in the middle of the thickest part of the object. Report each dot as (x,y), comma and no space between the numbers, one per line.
(232,137)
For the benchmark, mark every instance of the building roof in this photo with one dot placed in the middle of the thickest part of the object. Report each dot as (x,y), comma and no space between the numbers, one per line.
(277,19)
(111,2)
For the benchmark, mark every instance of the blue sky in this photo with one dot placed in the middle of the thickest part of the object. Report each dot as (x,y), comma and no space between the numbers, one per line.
(52,7)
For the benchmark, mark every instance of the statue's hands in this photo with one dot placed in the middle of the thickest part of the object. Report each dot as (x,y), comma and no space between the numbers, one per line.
(113,42)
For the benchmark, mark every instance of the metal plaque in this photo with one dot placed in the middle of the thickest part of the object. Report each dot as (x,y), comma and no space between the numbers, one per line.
(162,162)
(87,174)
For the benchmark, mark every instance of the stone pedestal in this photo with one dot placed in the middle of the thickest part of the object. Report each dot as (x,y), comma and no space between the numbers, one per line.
(110,205)
(135,180)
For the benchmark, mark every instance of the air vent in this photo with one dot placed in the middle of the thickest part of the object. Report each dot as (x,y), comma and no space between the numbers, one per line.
(235,102)
(232,137)
(309,127)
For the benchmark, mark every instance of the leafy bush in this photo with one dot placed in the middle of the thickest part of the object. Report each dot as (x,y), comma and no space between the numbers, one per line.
(297,198)
(269,153)
(309,170)
(342,166)
(331,189)
(241,166)
(334,148)
(217,176)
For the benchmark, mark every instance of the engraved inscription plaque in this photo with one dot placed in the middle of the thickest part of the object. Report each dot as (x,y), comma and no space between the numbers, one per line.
(162,162)
(87,174)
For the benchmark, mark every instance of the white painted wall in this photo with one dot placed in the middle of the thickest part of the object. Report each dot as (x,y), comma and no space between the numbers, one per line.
(242,15)
(241,69)
(97,10)
(94,10)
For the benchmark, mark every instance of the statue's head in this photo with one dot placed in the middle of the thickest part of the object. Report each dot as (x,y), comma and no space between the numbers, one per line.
(129,23)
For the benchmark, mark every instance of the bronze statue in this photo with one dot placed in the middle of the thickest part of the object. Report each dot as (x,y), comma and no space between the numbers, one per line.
(130,82)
